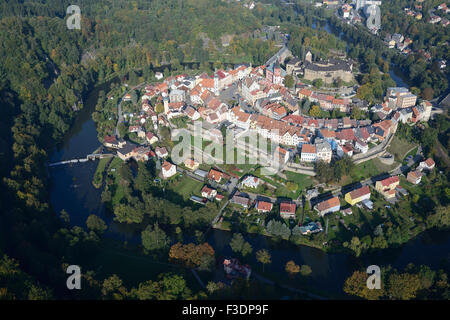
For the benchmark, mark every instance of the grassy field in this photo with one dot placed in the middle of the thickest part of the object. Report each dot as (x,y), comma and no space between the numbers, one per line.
(99,173)
(186,187)
(399,148)
(113,170)
(302,180)
(366,170)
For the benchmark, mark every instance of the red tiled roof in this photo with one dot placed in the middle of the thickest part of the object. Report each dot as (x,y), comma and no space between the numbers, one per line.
(215,175)
(263,205)
(287,207)
(308,148)
(429,162)
(330,203)
(388,181)
(166,165)
(110,139)
(355,194)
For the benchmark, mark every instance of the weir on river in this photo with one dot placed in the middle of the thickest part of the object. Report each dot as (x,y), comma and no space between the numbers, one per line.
(81,160)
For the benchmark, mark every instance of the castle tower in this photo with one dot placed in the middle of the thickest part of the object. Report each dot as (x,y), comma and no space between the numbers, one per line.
(216,84)
(308,57)
(166,104)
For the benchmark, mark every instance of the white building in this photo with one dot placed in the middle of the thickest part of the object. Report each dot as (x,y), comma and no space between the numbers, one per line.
(323,151)
(361,146)
(168,169)
(177,96)
(308,153)
(251,182)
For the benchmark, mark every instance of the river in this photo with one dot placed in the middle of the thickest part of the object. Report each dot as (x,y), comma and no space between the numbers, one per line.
(72,190)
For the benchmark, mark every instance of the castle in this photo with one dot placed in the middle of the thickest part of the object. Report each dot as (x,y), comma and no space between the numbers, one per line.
(329,70)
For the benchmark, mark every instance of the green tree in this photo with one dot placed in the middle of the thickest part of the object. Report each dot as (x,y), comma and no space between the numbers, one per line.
(96,224)
(318,83)
(305,270)
(288,81)
(65,216)
(154,238)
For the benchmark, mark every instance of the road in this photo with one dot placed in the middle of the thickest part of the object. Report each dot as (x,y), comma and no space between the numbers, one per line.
(119,108)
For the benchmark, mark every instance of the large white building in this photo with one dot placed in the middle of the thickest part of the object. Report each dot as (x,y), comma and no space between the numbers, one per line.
(323,151)
(308,153)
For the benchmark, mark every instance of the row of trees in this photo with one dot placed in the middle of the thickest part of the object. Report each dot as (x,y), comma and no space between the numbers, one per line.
(412,283)
(334,171)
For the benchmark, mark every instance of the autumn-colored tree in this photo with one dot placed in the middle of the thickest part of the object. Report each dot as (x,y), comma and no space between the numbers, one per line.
(314,111)
(427,93)
(292,269)
(403,286)
(264,257)
(96,224)
(356,285)
(193,256)
(113,288)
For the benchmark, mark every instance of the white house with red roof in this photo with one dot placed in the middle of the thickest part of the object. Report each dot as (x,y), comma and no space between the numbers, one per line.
(251,182)
(208,193)
(168,169)
(308,153)
(151,138)
(428,164)
(264,206)
(161,152)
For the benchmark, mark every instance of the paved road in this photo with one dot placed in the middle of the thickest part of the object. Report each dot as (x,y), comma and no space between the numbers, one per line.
(119,108)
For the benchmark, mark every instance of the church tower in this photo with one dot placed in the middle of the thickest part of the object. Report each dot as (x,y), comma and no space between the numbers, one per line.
(216,84)
(166,104)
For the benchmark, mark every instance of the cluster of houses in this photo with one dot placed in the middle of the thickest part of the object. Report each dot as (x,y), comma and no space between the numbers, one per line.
(213,176)
(315,139)
(398,41)
(415,176)
(389,188)
(400,105)
(416,12)
(443,10)
(326,102)
(287,211)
